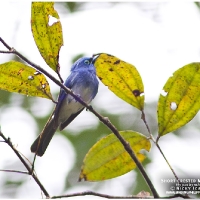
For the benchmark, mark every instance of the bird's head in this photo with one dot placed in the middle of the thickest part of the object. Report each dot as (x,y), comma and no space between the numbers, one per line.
(84,63)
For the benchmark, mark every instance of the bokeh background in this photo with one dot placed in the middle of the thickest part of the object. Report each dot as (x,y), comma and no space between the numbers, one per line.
(158,38)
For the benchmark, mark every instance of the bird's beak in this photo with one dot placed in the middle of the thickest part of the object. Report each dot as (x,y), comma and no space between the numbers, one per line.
(94,57)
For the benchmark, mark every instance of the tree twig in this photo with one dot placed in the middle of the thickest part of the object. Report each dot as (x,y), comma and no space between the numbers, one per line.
(115,197)
(175,196)
(167,161)
(156,143)
(15,171)
(101,195)
(8,141)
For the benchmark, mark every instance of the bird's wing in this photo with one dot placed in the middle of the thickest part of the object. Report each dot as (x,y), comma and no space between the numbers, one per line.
(69,120)
(68,83)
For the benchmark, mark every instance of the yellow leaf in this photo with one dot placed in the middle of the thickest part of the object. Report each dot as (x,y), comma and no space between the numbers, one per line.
(121,78)
(48,37)
(181,100)
(20,78)
(108,158)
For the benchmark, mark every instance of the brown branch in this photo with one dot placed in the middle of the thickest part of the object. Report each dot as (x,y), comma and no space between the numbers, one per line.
(8,141)
(115,197)
(15,171)
(143,117)
(175,196)
(101,195)
(7,52)
(101,118)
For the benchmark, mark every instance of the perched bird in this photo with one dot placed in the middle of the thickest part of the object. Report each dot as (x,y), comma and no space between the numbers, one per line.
(83,82)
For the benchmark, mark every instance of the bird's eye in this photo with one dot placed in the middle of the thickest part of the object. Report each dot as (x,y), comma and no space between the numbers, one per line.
(87,62)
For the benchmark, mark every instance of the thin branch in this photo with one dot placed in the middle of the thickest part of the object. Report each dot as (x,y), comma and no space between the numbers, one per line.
(8,141)
(156,143)
(34,159)
(101,195)
(145,122)
(116,197)
(167,162)
(58,72)
(7,52)
(175,196)
(5,44)
(15,171)
(101,118)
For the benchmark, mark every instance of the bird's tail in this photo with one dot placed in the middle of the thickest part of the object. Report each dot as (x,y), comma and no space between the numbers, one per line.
(40,145)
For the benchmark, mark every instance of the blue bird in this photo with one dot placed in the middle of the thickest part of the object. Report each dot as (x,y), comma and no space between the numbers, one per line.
(83,82)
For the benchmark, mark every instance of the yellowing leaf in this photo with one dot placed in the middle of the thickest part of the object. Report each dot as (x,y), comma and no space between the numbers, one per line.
(121,78)
(20,78)
(108,158)
(48,37)
(182,99)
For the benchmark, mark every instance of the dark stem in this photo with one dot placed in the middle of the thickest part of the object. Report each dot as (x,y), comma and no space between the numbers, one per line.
(176,195)
(156,143)
(114,197)
(101,195)
(167,162)
(15,171)
(58,72)
(145,122)
(7,140)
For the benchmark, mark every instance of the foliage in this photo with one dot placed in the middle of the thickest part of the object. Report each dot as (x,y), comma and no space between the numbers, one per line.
(48,37)
(181,102)
(108,159)
(119,152)
(24,80)
(121,78)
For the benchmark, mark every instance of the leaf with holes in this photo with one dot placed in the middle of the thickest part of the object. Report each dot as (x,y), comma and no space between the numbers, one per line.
(20,78)
(108,158)
(181,100)
(121,78)
(48,37)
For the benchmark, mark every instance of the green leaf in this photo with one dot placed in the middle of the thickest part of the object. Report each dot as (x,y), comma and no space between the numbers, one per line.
(182,99)
(121,78)
(48,38)
(20,78)
(108,158)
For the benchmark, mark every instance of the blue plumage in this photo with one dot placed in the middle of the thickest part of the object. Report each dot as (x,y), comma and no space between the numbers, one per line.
(83,82)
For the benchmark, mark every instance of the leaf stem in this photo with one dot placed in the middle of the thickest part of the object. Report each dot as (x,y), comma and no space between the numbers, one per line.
(167,161)
(145,122)
(156,143)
